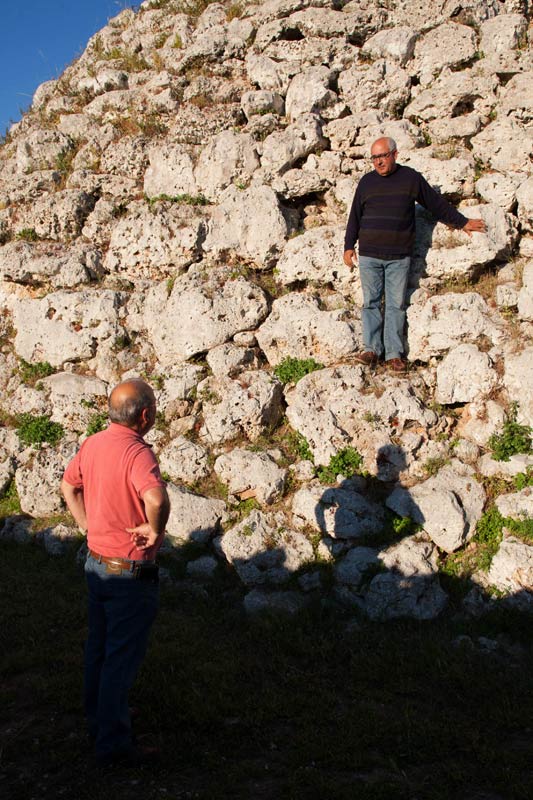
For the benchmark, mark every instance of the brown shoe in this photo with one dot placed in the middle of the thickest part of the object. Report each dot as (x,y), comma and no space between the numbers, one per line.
(396,365)
(368,358)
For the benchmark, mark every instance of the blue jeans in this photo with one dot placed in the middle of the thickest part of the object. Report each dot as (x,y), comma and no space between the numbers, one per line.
(121,612)
(384,278)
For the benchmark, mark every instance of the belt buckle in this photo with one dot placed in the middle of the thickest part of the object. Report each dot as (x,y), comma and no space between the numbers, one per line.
(112,568)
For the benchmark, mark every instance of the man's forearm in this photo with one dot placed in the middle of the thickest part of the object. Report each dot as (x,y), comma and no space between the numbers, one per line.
(157,509)
(75,503)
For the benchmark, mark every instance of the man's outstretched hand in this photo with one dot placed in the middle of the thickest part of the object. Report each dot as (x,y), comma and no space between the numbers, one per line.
(475,226)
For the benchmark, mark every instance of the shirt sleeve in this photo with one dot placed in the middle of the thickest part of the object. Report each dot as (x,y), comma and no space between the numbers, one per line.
(72,474)
(145,473)
(439,207)
(354,220)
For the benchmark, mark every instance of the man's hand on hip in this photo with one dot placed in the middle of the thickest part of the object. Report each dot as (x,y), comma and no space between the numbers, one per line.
(350,259)
(143,536)
(475,226)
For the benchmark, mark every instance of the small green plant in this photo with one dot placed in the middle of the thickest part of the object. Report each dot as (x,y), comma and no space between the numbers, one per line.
(488,535)
(177,44)
(182,199)
(523,479)
(346,462)
(433,465)
(31,373)
(291,370)
(36,430)
(514,438)
(27,235)
(97,422)
(10,503)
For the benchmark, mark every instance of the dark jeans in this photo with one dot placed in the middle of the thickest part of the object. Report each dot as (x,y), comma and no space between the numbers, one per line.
(121,612)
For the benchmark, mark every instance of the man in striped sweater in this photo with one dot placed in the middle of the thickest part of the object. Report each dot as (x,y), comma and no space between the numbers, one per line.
(382,220)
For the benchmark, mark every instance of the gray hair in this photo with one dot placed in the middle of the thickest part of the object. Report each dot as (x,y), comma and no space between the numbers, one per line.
(129,411)
(391,144)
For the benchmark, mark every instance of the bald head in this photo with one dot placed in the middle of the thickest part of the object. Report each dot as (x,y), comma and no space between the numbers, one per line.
(129,401)
(384,143)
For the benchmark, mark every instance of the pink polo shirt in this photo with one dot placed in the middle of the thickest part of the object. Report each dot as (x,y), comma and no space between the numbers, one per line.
(115,468)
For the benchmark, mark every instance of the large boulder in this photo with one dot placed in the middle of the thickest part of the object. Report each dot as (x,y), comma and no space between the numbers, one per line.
(254,474)
(336,512)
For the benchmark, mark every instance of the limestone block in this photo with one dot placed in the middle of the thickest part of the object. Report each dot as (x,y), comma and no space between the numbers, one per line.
(38,482)
(105,80)
(507,295)
(170,171)
(154,243)
(245,471)
(447,45)
(64,326)
(330,409)
(316,256)
(41,150)
(262,102)
(336,512)
(299,183)
(267,73)
(524,195)
(263,551)
(392,596)
(63,267)
(245,406)
(193,518)
(511,568)
(228,158)
(381,85)
(516,505)
(464,375)
(74,398)
(58,216)
(59,539)
(396,44)
(503,33)
(499,189)
(184,460)
(463,127)
(504,145)
(354,568)
(309,92)
(298,328)
(448,505)
(230,359)
(209,315)
(516,97)
(525,295)
(518,380)
(453,94)
(445,321)
(127,156)
(282,149)
(249,222)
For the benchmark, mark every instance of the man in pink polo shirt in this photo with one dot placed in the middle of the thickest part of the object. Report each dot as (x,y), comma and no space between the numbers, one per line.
(114,491)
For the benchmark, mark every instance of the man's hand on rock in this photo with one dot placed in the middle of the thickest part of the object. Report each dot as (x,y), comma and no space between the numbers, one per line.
(350,259)
(475,226)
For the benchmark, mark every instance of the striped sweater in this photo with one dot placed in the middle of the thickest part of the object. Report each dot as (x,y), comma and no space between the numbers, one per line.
(382,216)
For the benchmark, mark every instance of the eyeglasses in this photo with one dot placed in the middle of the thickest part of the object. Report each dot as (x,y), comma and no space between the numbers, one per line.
(382,155)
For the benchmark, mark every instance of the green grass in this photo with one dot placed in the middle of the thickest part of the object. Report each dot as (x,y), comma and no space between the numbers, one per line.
(37,430)
(278,709)
(32,373)
(346,462)
(97,422)
(9,502)
(291,370)
(513,439)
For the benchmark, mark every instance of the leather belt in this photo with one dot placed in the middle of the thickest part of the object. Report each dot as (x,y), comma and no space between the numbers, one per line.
(114,561)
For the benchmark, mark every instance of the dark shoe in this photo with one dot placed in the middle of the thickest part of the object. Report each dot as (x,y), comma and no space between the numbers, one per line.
(368,358)
(396,365)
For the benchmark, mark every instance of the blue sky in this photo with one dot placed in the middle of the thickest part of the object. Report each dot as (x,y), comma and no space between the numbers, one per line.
(38,39)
